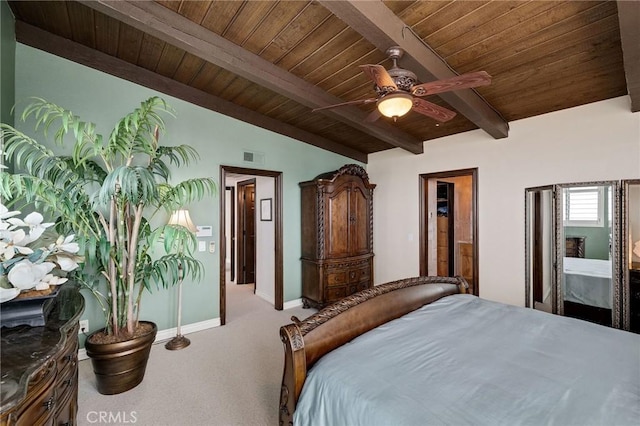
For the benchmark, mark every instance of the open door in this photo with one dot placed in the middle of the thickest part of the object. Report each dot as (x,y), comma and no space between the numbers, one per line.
(449,225)
(246,230)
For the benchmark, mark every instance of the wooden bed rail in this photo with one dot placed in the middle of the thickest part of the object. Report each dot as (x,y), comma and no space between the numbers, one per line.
(308,340)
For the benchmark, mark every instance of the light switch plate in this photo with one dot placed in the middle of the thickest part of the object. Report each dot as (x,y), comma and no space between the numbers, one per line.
(212,246)
(202,246)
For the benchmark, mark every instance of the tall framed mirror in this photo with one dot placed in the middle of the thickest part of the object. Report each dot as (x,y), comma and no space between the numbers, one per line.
(540,249)
(587,251)
(574,233)
(630,255)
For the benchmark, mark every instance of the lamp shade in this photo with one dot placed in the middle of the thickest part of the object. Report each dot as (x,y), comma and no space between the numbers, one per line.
(182,217)
(395,104)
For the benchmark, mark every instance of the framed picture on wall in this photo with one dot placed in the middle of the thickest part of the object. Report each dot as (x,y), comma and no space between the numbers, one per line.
(265,209)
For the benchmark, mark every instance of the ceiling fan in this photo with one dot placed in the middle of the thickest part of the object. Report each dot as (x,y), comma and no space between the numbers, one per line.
(398,91)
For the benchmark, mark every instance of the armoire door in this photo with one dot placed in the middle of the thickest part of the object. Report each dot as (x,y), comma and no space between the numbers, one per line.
(358,221)
(338,207)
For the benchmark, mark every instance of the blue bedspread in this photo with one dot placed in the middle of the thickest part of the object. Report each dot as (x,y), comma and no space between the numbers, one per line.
(463,360)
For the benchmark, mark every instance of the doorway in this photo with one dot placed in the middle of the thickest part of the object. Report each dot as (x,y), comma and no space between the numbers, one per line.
(449,225)
(225,234)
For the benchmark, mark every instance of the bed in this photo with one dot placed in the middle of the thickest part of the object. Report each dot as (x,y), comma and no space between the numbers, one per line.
(421,351)
(587,281)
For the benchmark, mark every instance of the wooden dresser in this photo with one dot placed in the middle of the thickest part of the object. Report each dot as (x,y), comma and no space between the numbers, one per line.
(574,246)
(40,366)
(337,235)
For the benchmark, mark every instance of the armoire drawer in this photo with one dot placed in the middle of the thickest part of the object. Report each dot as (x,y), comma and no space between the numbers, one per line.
(336,293)
(337,278)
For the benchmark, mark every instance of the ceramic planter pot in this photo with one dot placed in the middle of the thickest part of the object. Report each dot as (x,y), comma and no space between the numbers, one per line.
(120,366)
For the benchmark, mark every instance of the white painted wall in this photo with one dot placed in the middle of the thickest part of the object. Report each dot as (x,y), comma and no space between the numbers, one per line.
(265,242)
(598,141)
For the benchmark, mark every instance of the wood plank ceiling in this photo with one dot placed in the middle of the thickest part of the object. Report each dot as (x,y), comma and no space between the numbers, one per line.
(271,62)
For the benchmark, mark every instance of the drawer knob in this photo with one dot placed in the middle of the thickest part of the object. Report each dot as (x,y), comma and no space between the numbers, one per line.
(49,403)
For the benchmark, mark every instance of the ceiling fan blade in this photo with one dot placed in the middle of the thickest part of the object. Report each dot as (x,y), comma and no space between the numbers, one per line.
(432,110)
(373,116)
(464,81)
(359,101)
(380,76)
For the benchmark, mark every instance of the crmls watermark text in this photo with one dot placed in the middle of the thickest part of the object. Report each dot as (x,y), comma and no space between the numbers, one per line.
(112,417)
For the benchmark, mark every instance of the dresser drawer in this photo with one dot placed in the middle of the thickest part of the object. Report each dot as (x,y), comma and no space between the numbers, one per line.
(68,357)
(39,408)
(359,274)
(337,278)
(336,293)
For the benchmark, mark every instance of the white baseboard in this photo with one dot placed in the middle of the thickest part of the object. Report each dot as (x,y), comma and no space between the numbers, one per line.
(292,304)
(169,333)
(266,297)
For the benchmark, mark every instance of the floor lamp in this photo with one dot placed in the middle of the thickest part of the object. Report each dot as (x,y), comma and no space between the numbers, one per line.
(180,217)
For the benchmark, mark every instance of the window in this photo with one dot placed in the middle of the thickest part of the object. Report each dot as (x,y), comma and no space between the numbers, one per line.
(583,206)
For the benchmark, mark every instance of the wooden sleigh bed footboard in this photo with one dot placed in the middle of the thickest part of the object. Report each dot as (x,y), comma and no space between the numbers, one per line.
(306,341)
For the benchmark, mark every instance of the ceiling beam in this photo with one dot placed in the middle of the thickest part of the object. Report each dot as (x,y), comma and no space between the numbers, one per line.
(172,28)
(629,20)
(59,46)
(381,27)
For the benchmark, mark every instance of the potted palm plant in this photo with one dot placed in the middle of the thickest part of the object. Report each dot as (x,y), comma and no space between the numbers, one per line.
(106,192)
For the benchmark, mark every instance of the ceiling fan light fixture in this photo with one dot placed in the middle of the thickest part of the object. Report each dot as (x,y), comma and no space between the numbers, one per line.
(395,104)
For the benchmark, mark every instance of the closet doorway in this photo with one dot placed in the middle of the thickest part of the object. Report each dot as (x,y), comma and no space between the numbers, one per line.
(449,225)
(275,272)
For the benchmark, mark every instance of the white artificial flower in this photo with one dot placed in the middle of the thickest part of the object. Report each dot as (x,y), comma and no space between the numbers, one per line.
(34,222)
(5,213)
(14,244)
(26,275)
(51,279)
(7,294)
(66,244)
(66,263)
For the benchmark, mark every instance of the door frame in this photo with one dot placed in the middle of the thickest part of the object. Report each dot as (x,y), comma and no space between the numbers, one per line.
(277,218)
(423,214)
(232,225)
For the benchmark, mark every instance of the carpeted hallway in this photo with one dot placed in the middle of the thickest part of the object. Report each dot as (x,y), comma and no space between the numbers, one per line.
(229,375)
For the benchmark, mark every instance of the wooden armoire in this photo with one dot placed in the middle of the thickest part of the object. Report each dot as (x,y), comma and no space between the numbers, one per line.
(337,235)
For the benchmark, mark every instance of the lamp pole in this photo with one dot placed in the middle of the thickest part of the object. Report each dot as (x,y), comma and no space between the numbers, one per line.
(182,218)
(178,342)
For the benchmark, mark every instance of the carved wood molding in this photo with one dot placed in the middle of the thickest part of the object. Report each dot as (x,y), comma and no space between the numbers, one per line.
(349,302)
(342,265)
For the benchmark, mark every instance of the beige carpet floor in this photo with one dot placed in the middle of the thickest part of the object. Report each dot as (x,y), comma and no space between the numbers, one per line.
(229,375)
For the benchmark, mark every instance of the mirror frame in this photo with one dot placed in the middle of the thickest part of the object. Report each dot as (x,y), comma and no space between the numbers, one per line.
(528,246)
(624,253)
(615,246)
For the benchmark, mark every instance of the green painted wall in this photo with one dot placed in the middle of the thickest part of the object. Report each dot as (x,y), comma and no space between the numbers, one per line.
(7,62)
(103,99)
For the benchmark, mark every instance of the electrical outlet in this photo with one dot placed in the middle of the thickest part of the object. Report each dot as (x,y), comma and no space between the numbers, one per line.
(212,246)
(84,327)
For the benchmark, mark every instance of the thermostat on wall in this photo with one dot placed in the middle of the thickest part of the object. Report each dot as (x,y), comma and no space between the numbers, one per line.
(204,231)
